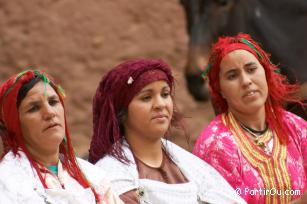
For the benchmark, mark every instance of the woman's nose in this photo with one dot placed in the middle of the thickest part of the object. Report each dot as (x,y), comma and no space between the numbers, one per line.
(246,79)
(48,112)
(159,102)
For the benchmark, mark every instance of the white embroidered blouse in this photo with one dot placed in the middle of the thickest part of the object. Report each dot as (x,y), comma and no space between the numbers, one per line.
(19,183)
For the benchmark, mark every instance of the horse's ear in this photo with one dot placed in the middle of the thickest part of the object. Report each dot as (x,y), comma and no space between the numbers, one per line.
(223,2)
(183,2)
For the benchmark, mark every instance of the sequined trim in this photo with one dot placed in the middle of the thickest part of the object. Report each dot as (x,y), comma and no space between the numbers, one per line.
(272,168)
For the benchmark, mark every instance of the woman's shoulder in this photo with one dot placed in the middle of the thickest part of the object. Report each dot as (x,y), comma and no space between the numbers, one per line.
(214,136)
(8,164)
(215,127)
(7,159)
(208,180)
(122,176)
(98,178)
(91,171)
(18,178)
(217,120)
(108,162)
(116,168)
(12,163)
(294,122)
(296,125)
(288,116)
(186,159)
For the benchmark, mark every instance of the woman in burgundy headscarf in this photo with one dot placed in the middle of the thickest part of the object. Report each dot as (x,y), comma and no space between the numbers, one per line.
(38,164)
(133,110)
(259,148)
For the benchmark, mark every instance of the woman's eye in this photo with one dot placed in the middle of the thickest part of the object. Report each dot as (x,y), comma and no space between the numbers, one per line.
(145,98)
(251,69)
(53,102)
(231,76)
(165,94)
(33,108)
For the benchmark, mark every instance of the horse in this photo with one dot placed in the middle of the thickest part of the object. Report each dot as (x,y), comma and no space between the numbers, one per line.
(279,25)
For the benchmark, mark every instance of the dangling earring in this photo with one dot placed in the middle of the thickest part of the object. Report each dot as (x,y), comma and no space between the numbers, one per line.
(270,106)
(65,140)
(221,93)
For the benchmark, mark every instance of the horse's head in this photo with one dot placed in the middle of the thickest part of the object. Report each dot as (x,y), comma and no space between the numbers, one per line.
(206,20)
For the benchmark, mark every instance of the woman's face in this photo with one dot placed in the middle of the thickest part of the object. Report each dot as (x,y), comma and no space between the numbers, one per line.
(150,112)
(243,82)
(42,121)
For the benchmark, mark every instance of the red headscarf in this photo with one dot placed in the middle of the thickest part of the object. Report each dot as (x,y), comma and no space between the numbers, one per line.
(113,95)
(279,90)
(13,139)
(9,90)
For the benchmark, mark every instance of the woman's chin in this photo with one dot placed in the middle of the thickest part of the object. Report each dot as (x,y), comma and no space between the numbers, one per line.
(160,132)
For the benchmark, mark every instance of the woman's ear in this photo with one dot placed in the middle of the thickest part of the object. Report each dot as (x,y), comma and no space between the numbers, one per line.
(122,116)
(121,119)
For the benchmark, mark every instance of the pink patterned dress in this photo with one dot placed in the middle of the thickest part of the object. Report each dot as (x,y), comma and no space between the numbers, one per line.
(258,176)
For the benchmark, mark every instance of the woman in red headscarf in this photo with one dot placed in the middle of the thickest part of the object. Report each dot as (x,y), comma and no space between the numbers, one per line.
(259,148)
(38,164)
(133,110)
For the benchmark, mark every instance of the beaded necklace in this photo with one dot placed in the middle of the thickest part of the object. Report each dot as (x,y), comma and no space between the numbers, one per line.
(260,137)
(254,132)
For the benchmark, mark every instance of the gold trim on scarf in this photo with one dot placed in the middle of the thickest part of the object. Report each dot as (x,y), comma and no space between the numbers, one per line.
(272,168)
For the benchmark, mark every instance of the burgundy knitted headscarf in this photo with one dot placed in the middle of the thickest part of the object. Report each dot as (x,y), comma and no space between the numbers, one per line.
(279,90)
(12,136)
(113,95)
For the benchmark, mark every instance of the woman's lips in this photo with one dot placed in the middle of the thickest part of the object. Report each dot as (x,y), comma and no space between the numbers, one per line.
(250,93)
(159,117)
(51,126)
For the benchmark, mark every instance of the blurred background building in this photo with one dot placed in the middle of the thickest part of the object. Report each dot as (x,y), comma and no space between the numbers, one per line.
(78,41)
